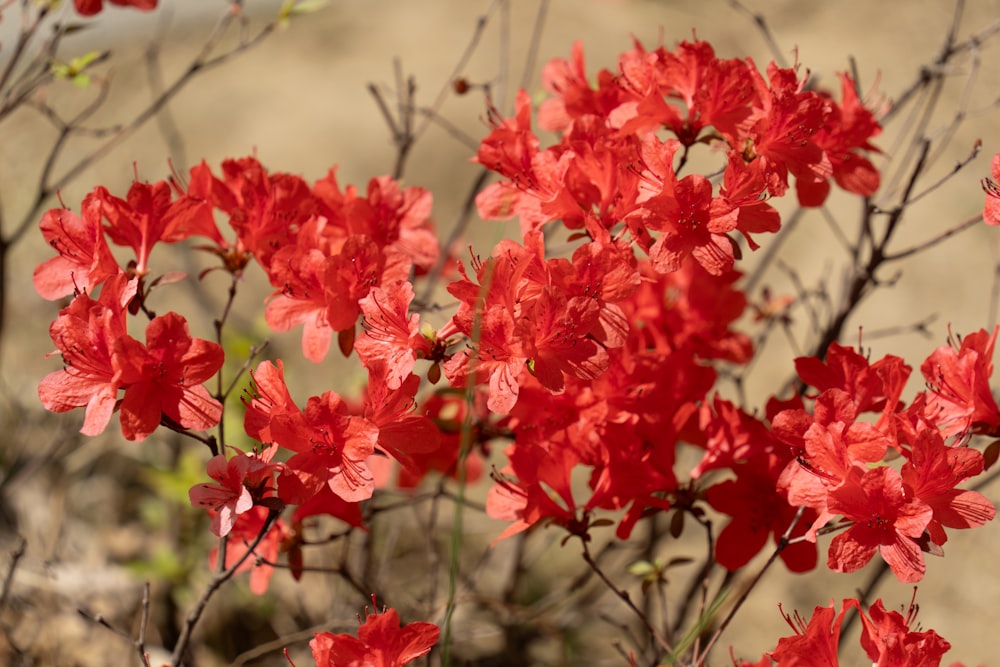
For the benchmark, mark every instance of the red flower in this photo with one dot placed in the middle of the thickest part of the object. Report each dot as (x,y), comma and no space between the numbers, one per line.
(299,272)
(86,333)
(381,642)
(237,477)
(959,400)
(91,7)
(712,92)
(848,128)
(391,339)
(758,510)
(567,80)
(140,221)
(330,444)
(814,643)
(779,135)
(84,260)
(692,221)
(164,378)
(932,473)
(886,519)
(873,387)
(321,281)
(265,210)
(267,401)
(229,497)
(889,642)
(397,219)
(829,445)
(885,636)
(401,433)
(495,360)
(535,488)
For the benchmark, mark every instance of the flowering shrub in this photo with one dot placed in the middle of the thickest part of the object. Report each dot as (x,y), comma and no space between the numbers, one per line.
(587,359)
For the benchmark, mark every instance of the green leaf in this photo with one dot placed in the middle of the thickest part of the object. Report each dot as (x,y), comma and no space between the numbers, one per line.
(642,568)
(297,8)
(75,70)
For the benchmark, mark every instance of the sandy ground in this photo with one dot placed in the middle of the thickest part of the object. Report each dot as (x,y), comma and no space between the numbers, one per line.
(299,102)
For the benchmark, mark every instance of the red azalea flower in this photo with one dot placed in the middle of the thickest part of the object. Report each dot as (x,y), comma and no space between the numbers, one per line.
(84,260)
(331,448)
(814,643)
(165,376)
(391,338)
(869,385)
(86,334)
(959,399)
(91,7)
(828,446)
(265,210)
(886,519)
(396,218)
(692,221)
(889,642)
(401,433)
(381,642)
(778,137)
(140,221)
(229,497)
(301,298)
(848,128)
(240,479)
(535,488)
(932,473)
(267,401)
(495,360)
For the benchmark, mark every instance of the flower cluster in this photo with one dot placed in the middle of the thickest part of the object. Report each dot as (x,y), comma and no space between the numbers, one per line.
(611,166)
(841,462)
(603,361)
(886,638)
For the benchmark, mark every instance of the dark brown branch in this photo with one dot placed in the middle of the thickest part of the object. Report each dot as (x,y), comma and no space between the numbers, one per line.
(782,544)
(15,556)
(624,597)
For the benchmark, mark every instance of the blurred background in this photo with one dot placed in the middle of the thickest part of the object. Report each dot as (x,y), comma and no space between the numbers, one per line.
(299,101)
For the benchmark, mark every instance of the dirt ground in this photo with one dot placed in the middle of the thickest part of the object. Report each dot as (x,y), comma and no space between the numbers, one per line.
(299,102)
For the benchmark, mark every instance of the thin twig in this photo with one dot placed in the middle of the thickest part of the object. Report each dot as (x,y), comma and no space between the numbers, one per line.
(8,581)
(624,597)
(770,250)
(461,223)
(201,63)
(219,578)
(470,48)
(530,61)
(764,30)
(930,243)
(782,544)
(282,642)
